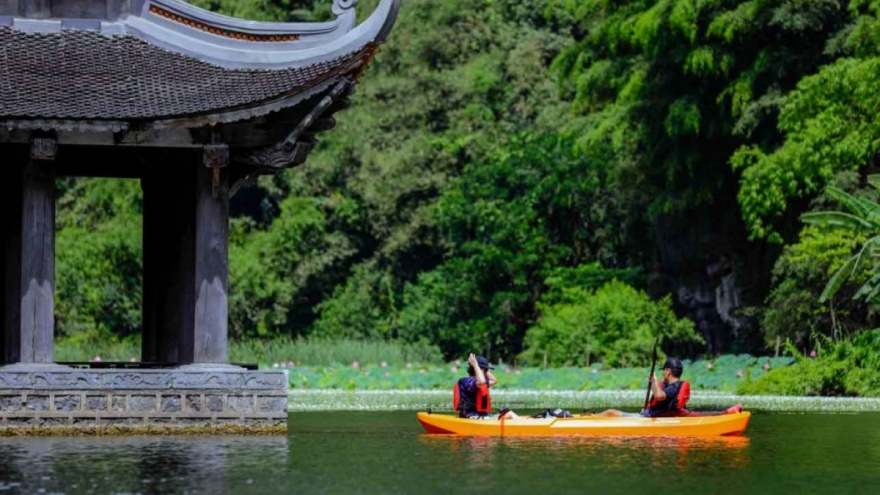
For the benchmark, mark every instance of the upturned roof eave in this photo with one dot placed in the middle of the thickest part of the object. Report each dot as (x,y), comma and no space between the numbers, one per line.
(322,43)
(344,10)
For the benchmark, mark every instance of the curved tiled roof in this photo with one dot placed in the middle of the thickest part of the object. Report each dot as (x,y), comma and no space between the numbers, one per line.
(78,74)
(166,63)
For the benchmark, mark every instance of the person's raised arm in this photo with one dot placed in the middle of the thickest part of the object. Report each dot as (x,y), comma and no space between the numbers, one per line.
(478,372)
(490,379)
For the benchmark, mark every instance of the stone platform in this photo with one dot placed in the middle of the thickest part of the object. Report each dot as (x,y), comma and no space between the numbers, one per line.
(56,399)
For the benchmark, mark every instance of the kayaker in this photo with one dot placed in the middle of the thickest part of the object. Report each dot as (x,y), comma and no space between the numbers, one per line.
(665,401)
(471,393)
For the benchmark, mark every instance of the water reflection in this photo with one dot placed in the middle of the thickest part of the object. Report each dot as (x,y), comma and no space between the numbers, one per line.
(147,465)
(388,453)
(681,453)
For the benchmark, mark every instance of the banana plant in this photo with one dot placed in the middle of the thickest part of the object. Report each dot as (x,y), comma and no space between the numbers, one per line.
(863,216)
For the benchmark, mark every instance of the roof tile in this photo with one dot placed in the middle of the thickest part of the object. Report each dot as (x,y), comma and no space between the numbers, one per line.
(80,74)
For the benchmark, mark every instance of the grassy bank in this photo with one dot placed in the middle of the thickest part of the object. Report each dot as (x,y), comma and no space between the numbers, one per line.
(528,401)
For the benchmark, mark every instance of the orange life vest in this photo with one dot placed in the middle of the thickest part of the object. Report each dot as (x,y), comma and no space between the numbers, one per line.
(483,402)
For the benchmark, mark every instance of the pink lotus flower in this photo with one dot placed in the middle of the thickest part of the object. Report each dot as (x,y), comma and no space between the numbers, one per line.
(454,369)
(708,366)
(290,364)
(766,366)
(96,359)
(458,362)
(384,364)
(283,365)
(739,373)
(355,364)
(813,353)
(132,360)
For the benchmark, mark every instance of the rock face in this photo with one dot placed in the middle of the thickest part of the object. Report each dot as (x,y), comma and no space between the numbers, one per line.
(713,304)
(704,260)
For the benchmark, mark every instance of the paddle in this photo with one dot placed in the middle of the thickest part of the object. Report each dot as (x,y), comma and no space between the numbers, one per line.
(653,365)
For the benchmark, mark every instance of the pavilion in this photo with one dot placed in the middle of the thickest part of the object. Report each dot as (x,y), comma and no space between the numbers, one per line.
(194,105)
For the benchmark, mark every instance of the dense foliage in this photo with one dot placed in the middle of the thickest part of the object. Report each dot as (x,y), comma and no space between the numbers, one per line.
(507,160)
(614,324)
(846,368)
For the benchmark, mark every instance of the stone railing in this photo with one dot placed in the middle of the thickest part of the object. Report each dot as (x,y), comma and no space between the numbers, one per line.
(132,400)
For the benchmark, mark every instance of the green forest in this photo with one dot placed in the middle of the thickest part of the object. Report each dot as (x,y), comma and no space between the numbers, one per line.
(555,183)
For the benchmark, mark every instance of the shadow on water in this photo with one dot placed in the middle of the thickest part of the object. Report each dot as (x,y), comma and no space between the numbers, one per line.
(146,465)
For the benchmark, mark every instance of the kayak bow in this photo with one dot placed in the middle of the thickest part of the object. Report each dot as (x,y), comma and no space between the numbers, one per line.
(685,426)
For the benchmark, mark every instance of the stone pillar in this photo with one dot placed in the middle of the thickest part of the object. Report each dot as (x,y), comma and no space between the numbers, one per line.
(186,235)
(29,259)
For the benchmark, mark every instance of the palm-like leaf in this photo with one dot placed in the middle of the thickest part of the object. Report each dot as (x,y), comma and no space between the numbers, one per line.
(838,219)
(874,180)
(852,265)
(855,205)
(864,217)
(870,289)
(838,279)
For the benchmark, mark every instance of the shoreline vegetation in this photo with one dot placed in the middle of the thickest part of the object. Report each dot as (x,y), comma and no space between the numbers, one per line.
(839,370)
(304,400)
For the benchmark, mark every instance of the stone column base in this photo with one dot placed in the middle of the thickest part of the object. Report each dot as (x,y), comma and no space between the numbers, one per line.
(42,401)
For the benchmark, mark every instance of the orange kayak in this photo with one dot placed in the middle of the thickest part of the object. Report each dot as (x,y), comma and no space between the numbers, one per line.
(686,426)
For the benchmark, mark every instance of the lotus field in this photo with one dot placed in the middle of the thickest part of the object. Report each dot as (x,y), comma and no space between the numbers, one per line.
(724,374)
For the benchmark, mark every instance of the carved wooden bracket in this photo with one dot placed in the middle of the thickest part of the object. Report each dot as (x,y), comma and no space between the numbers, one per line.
(291,150)
(215,156)
(43,148)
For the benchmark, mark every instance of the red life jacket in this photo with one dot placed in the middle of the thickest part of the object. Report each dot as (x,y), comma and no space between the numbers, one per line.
(483,403)
(684,395)
(681,399)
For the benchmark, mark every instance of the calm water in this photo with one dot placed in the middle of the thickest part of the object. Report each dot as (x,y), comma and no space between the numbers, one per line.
(386,452)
